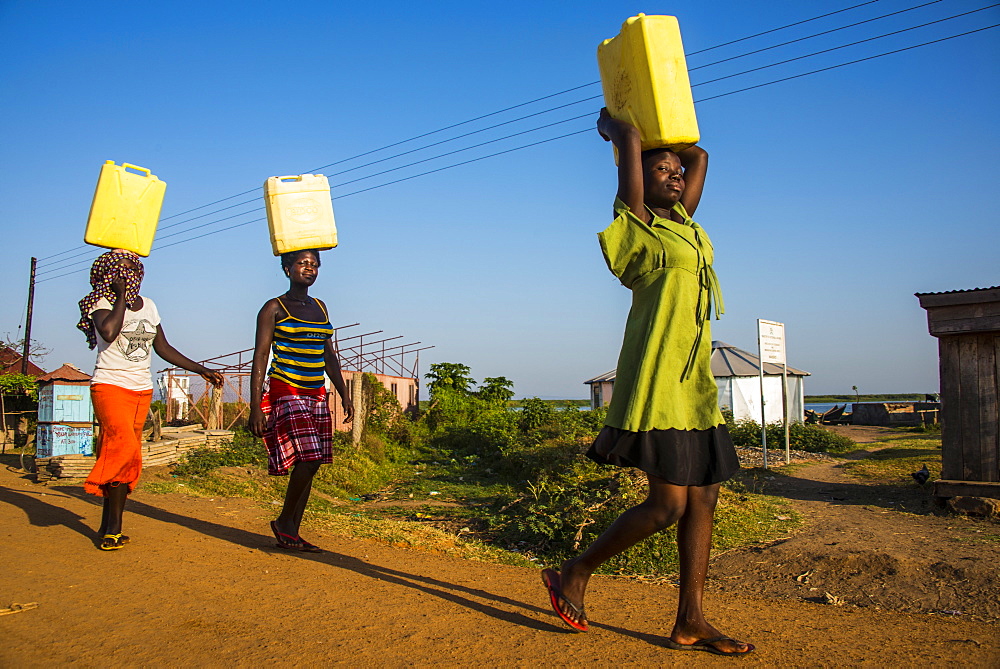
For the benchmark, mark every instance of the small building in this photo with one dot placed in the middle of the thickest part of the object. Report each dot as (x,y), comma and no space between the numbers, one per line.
(10,363)
(736,374)
(967,326)
(65,413)
(402,387)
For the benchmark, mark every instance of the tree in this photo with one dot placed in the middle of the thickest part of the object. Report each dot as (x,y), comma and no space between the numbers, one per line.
(36,351)
(496,389)
(449,376)
(18,384)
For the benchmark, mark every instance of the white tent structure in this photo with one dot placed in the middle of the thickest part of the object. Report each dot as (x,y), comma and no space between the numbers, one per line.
(736,374)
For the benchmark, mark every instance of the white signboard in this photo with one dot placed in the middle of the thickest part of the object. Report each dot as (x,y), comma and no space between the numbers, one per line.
(771,336)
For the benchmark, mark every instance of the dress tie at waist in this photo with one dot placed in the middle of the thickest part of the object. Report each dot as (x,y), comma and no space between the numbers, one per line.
(709,293)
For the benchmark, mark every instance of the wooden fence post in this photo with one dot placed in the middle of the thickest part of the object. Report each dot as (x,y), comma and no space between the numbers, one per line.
(358,398)
(215,410)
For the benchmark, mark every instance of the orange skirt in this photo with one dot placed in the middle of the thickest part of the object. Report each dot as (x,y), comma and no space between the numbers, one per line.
(121,414)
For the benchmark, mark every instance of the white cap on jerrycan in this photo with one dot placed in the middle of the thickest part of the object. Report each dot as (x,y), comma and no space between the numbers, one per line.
(126,208)
(645,80)
(299,213)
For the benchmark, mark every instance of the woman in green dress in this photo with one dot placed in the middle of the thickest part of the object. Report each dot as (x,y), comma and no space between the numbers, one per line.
(664,417)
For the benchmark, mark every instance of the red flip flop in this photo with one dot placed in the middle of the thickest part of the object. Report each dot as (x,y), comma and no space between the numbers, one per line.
(551,579)
(307,547)
(286,541)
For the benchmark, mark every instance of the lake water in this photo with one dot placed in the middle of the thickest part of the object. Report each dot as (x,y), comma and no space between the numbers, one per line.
(822,408)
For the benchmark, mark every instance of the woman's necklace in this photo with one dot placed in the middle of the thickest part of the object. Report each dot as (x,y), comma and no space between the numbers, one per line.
(304,302)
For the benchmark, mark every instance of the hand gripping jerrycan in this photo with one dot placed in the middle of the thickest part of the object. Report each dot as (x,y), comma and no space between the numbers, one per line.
(126,208)
(299,213)
(645,80)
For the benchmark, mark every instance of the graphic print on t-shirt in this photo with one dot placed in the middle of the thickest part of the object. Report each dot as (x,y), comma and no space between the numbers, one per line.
(135,339)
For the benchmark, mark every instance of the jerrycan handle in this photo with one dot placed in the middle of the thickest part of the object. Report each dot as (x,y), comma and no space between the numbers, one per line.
(137,168)
(291,177)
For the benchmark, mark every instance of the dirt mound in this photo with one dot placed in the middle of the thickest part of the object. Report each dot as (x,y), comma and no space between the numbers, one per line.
(860,549)
(865,579)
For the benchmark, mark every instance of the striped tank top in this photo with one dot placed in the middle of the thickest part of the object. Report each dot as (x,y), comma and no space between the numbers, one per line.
(297,350)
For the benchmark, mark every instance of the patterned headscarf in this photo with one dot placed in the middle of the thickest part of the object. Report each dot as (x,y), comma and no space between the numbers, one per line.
(106,269)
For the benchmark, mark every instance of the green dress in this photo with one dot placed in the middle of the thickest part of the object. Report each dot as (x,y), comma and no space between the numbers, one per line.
(664,414)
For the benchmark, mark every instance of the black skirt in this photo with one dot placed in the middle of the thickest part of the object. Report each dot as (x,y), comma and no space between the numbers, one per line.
(681,457)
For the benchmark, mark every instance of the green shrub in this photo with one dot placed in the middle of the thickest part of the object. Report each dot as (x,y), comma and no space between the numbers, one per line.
(362,468)
(243,450)
(534,414)
(19,384)
(801,436)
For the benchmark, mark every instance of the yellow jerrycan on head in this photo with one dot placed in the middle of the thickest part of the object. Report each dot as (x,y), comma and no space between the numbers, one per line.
(645,80)
(300,213)
(126,208)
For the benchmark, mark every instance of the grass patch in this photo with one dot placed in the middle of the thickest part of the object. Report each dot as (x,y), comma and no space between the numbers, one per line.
(741,519)
(980,537)
(895,462)
(477,480)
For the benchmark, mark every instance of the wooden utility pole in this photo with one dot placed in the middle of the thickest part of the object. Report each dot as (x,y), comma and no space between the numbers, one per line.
(27,325)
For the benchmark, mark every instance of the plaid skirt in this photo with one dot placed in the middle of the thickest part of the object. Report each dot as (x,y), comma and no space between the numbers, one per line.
(299,429)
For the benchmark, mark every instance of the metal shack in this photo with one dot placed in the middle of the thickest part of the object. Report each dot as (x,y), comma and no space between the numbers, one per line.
(967,326)
(736,375)
(65,414)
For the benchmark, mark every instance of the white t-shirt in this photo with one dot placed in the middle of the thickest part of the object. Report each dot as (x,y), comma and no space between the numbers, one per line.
(125,361)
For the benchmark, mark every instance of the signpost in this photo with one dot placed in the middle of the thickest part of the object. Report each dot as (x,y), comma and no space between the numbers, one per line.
(771,348)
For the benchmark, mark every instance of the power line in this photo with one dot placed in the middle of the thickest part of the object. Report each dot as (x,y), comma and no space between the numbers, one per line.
(467,148)
(255,200)
(852,62)
(455,125)
(844,46)
(397,155)
(586,130)
(819,34)
(466,162)
(790,25)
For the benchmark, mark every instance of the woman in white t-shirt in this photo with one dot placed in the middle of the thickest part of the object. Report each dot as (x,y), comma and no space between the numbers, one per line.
(125,328)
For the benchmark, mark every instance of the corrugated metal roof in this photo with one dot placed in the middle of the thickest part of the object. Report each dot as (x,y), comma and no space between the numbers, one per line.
(952,292)
(67,372)
(606,376)
(10,363)
(727,360)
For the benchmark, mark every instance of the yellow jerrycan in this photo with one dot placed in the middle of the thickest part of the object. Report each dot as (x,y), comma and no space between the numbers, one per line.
(126,208)
(645,80)
(299,213)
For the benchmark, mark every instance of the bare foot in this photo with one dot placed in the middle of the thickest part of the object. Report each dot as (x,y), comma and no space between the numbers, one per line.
(709,638)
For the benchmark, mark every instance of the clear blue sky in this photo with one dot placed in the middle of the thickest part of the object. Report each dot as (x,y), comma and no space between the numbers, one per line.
(831,198)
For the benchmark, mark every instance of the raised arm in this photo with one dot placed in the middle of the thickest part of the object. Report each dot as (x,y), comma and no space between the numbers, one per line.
(178,359)
(332,366)
(625,137)
(694,160)
(266,318)
(109,322)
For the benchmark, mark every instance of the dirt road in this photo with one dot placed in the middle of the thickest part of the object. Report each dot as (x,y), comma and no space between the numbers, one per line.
(202,585)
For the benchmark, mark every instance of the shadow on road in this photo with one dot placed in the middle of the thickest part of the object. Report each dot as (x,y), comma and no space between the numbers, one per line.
(41,513)
(44,513)
(797,485)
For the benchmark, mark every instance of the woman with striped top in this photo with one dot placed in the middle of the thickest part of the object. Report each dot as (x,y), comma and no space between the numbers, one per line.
(294,417)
